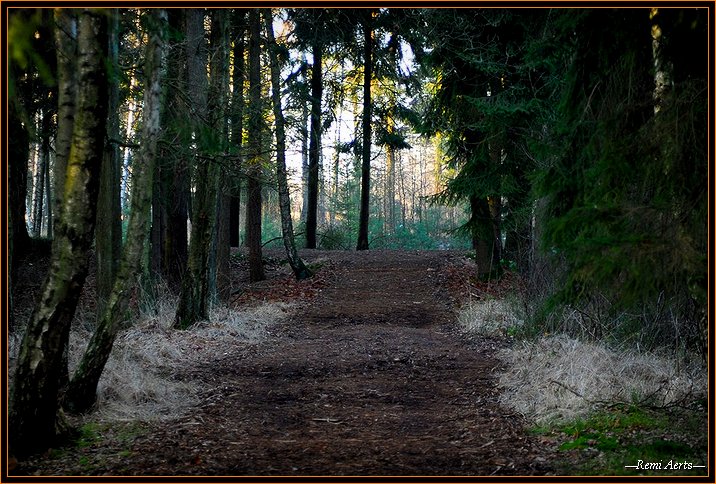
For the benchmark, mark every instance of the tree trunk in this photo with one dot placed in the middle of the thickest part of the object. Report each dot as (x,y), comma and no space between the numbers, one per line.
(108,236)
(195,298)
(253,205)
(82,391)
(34,399)
(389,201)
(66,44)
(18,154)
(314,149)
(299,268)
(482,237)
(304,144)
(218,99)
(237,124)
(171,198)
(39,185)
(365,167)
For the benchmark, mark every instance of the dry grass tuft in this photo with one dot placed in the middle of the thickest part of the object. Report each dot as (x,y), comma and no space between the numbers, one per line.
(559,378)
(140,382)
(490,317)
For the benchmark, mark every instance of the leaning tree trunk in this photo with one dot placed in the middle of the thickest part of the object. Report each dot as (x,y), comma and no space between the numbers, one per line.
(365,167)
(34,399)
(82,390)
(299,268)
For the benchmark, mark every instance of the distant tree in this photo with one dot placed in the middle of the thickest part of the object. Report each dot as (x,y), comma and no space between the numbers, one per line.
(299,268)
(34,398)
(367,139)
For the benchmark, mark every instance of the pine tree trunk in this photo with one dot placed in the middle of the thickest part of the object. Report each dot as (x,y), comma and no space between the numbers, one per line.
(299,268)
(314,149)
(82,390)
(237,124)
(34,399)
(365,166)
(253,205)
(173,164)
(108,236)
(305,114)
(218,100)
(196,294)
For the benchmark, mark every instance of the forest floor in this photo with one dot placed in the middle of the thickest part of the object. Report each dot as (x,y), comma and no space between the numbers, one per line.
(369,376)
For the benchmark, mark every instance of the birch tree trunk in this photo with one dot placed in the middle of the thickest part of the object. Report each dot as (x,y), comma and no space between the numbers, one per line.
(82,391)
(34,399)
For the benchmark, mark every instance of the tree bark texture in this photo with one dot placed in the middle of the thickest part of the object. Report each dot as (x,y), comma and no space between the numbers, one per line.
(195,297)
(173,163)
(34,399)
(108,236)
(237,124)
(66,44)
(299,268)
(365,166)
(253,204)
(82,391)
(314,148)
(218,100)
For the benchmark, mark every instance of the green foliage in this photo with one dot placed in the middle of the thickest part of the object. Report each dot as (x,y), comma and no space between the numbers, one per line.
(626,187)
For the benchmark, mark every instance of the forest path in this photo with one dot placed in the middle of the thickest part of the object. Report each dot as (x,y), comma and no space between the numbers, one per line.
(369,378)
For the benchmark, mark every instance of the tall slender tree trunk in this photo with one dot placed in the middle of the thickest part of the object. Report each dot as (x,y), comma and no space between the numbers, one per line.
(108,236)
(389,201)
(39,192)
(34,399)
(314,149)
(365,166)
(299,268)
(237,123)
(305,115)
(82,391)
(218,100)
(253,205)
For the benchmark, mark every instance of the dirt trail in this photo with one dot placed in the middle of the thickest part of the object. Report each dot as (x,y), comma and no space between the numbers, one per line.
(369,378)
